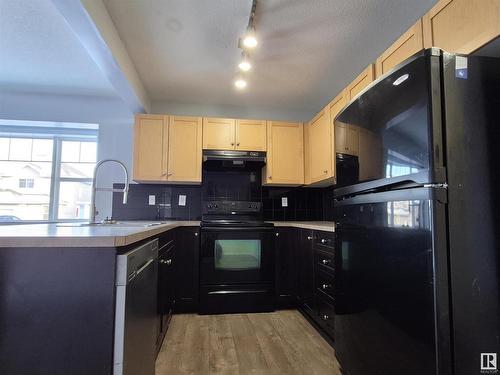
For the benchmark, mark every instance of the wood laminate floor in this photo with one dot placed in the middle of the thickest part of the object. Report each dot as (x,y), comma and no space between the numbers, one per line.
(281,342)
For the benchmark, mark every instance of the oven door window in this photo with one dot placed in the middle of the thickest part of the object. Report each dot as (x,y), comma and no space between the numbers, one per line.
(237,255)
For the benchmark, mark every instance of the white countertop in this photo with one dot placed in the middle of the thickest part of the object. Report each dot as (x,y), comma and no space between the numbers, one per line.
(327,226)
(126,233)
(75,235)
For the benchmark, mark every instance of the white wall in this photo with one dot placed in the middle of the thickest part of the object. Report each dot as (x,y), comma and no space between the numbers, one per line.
(115,127)
(115,142)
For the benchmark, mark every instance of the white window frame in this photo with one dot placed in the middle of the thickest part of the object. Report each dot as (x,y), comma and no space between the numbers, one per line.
(56,179)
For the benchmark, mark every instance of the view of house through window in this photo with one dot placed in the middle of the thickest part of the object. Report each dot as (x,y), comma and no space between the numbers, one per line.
(46,170)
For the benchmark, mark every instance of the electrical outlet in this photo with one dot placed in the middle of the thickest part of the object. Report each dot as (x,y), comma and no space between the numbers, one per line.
(284,202)
(182,200)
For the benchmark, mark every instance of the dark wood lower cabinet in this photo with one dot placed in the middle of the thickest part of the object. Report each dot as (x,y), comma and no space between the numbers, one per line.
(305,258)
(305,270)
(186,268)
(286,267)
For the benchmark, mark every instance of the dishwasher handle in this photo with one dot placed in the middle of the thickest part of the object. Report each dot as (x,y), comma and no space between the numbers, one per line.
(133,274)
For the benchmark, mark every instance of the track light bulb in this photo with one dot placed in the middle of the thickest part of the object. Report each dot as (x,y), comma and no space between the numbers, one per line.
(240,83)
(245,64)
(249,39)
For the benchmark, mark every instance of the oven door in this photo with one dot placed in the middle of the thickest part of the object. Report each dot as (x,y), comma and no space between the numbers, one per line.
(236,255)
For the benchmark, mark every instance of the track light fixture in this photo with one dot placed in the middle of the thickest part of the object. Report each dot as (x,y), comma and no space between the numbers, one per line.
(247,42)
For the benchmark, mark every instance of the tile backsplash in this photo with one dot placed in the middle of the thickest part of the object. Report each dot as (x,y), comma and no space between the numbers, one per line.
(302,203)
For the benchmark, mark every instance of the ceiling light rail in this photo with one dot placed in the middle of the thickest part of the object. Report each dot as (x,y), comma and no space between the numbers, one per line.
(247,42)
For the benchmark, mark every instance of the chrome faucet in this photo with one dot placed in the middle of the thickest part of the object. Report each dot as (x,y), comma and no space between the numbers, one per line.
(93,210)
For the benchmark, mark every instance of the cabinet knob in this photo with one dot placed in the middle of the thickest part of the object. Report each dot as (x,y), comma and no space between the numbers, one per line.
(326,261)
(196,234)
(309,238)
(170,173)
(325,171)
(325,286)
(323,241)
(325,317)
(168,262)
(270,177)
(237,144)
(277,234)
(232,143)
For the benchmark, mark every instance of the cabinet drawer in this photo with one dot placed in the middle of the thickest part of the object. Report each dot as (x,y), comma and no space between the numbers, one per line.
(326,314)
(324,283)
(324,260)
(324,240)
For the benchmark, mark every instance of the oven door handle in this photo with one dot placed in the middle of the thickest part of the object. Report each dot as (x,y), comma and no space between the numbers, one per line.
(253,291)
(236,229)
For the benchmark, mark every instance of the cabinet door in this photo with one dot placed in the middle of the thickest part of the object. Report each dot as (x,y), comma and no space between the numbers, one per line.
(352,140)
(364,79)
(218,133)
(408,44)
(306,271)
(187,244)
(184,149)
(285,153)
(286,266)
(370,155)
(150,147)
(320,148)
(251,135)
(461,26)
(341,139)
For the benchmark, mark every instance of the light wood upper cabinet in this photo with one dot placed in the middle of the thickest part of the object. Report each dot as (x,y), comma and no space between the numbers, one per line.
(319,149)
(218,133)
(462,26)
(184,149)
(285,154)
(150,147)
(408,44)
(251,135)
(364,79)
(167,149)
(370,156)
(346,139)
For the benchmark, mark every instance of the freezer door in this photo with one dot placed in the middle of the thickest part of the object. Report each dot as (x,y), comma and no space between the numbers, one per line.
(390,284)
(397,122)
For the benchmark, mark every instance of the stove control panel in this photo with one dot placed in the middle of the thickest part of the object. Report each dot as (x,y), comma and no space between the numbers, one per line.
(222,207)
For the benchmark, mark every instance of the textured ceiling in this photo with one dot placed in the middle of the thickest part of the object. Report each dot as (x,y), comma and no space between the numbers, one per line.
(186,50)
(40,54)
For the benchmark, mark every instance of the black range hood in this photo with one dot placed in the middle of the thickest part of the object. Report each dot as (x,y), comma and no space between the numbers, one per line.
(217,159)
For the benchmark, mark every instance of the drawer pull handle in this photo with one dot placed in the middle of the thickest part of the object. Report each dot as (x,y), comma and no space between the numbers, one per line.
(326,261)
(168,262)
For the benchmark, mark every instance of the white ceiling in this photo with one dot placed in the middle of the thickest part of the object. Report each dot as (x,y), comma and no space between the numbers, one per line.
(186,50)
(39,53)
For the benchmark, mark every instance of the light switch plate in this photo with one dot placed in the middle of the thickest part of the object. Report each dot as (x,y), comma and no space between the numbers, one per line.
(152,200)
(182,200)
(284,202)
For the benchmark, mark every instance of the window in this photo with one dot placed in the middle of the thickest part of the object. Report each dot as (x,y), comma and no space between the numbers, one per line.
(27,183)
(46,170)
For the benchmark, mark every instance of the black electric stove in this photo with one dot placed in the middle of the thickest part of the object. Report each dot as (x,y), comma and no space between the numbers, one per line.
(237,258)
(224,213)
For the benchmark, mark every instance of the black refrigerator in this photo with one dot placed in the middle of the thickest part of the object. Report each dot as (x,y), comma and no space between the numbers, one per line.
(417,238)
